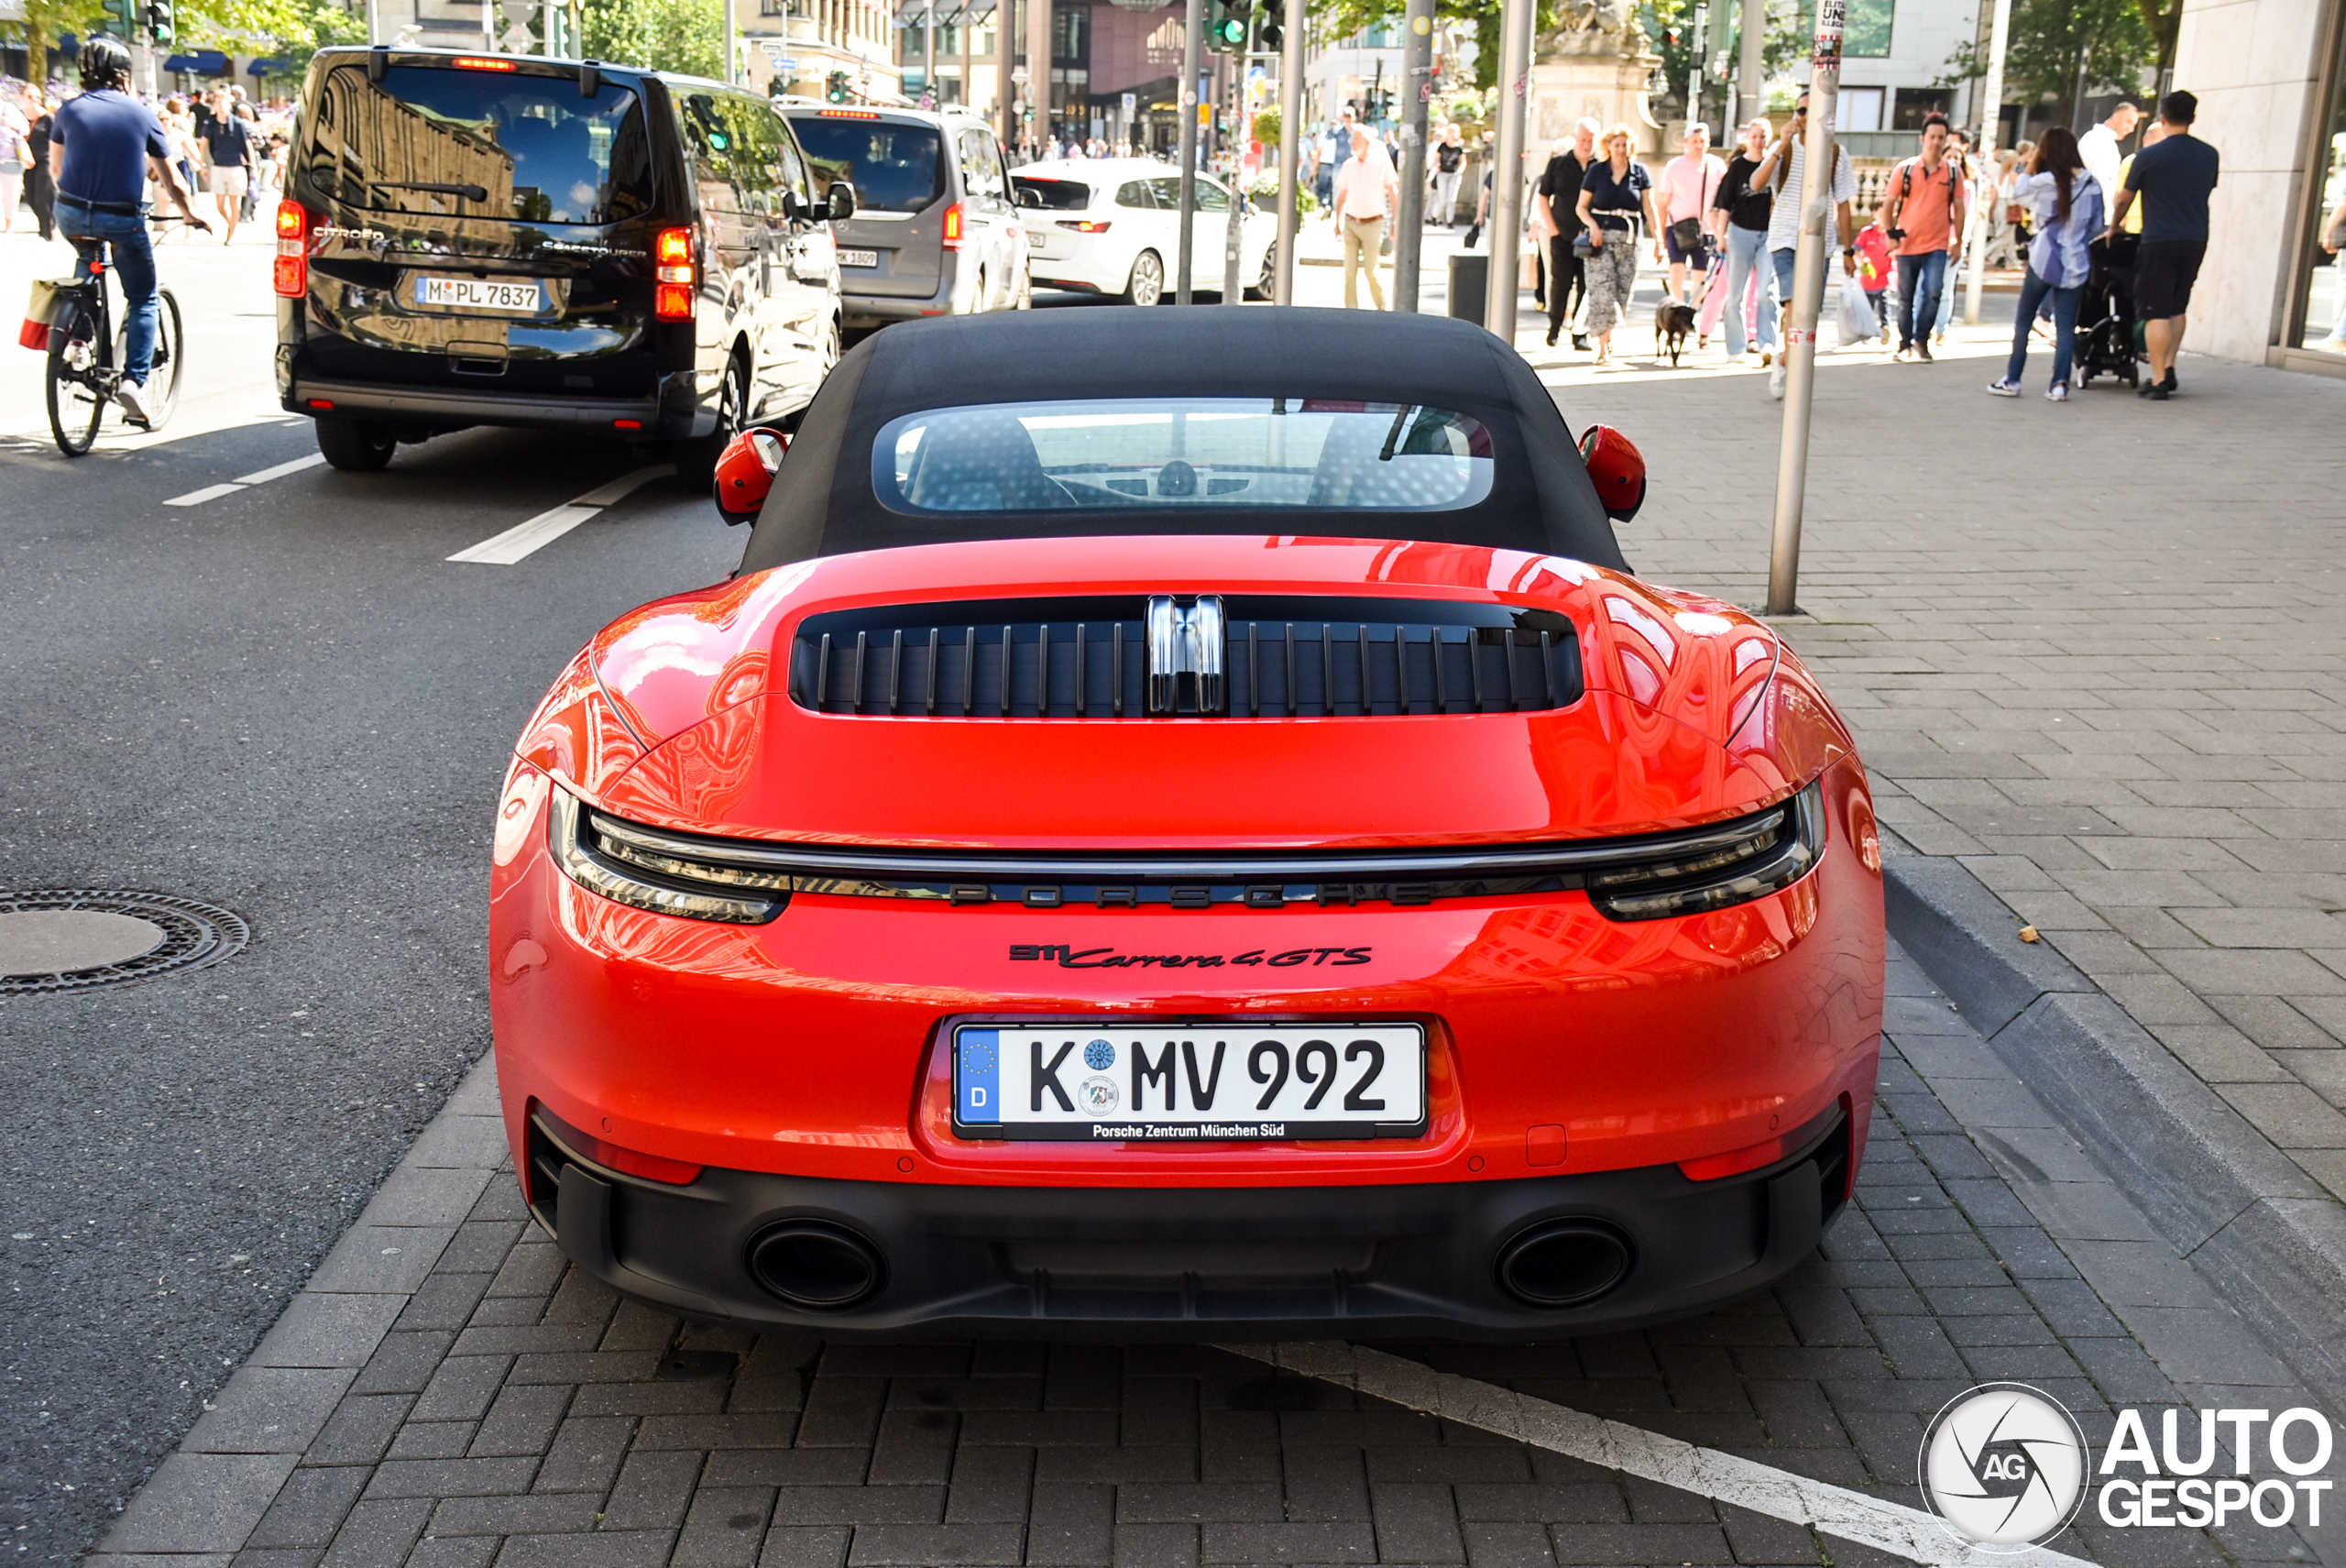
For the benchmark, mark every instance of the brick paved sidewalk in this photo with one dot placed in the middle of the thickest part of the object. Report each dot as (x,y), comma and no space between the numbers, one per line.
(2093,651)
(452,1393)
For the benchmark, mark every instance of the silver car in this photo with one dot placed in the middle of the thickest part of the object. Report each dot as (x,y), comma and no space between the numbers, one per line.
(936,230)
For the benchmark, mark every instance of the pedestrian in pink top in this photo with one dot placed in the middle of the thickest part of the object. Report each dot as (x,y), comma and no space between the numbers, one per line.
(1684,193)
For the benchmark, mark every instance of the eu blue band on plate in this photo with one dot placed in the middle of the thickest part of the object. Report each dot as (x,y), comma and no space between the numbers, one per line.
(977,1073)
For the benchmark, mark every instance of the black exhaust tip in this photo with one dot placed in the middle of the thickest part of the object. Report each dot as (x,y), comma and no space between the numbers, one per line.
(1563,1263)
(810,1264)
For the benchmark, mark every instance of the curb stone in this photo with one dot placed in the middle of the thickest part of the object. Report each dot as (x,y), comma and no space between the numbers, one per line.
(205,1499)
(2208,1180)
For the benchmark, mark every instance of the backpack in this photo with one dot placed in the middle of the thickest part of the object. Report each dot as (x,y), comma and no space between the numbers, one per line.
(1906,185)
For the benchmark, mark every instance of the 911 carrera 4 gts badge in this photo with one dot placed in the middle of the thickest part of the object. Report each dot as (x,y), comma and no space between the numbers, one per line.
(1068,956)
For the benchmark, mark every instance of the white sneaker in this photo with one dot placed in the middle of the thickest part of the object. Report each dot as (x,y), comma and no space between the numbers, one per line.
(2004,388)
(132,396)
(1776,382)
(2058,393)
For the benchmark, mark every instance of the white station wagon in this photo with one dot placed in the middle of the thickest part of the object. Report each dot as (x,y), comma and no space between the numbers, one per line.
(1112,225)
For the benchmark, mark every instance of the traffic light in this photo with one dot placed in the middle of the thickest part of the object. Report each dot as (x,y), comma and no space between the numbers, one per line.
(122,17)
(160,26)
(836,89)
(1226,25)
(1270,25)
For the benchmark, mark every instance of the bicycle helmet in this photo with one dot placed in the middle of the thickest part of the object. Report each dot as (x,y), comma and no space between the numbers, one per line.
(106,62)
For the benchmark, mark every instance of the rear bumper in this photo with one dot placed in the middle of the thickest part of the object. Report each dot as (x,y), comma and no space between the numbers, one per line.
(877,309)
(672,412)
(1352,1262)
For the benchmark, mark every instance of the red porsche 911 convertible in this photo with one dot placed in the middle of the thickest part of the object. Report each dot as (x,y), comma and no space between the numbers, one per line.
(1183,825)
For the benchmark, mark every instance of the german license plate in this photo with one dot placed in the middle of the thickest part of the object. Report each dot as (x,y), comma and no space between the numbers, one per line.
(859,259)
(518,296)
(1189,1083)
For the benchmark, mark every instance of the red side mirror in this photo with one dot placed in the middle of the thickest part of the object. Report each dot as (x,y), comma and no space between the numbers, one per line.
(745,472)
(1618,470)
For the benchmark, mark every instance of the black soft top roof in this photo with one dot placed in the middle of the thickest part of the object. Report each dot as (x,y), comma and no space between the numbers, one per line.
(823,501)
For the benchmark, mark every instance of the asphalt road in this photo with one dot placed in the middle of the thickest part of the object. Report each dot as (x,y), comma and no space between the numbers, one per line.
(286,702)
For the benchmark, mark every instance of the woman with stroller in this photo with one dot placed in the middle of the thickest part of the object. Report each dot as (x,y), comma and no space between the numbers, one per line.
(2068,204)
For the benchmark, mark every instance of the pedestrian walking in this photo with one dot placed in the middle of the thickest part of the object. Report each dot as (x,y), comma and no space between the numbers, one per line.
(229,147)
(2068,202)
(2176,178)
(1365,194)
(1958,152)
(40,188)
(1683,196)
(1923,205)
(1741,208)
(1784,172)
(1556,199)
(2099,146)
(1616,194)
(15,157)
(1449,164)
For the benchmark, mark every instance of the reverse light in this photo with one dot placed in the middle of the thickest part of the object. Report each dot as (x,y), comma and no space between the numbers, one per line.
(600,856)
(290,273)
(1781,848)
(1084,226)
(673,277)
(609,1155)
(953,226)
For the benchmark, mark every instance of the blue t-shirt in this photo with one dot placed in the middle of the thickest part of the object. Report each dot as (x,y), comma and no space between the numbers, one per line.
(2172,179)
(107,137)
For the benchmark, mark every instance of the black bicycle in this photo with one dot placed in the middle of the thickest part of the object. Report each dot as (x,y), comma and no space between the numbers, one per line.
(85,354)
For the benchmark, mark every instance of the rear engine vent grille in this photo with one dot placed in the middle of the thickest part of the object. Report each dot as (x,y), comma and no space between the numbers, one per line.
(1088,658)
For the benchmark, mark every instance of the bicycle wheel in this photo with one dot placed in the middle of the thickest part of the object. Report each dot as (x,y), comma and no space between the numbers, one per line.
(169,361)
(75,403)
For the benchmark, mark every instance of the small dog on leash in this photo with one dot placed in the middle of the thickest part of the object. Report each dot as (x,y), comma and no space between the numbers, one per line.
(1673,322)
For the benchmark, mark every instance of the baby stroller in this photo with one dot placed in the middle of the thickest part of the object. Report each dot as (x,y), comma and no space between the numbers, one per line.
(2106,314)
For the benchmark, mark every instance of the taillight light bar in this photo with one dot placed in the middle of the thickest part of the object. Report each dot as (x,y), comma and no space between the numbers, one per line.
(672,275)
(953,226)
(290,273)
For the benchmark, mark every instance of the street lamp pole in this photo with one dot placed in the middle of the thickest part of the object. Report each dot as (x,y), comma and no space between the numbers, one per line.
(1290,147)
(1417,91)
(1991,115)
(1507,174)
(1750,74)
(1192,38)
(1808,299)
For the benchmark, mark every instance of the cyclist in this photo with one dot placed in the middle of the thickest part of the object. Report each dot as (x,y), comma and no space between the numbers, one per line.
(101,150)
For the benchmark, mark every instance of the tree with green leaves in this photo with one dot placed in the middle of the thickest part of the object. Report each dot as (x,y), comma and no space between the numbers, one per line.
(2054,43)
(667,35)
(44,22)
(1343,18)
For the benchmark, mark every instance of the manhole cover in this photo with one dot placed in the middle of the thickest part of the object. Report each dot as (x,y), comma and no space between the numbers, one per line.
(77,939)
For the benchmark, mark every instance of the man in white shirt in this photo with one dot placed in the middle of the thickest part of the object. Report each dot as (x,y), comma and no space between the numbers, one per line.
(1367,190)
(1783,170)
(2099,146)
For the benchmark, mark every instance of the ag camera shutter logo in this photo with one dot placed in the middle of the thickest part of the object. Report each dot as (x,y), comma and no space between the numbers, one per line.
(2004,1468)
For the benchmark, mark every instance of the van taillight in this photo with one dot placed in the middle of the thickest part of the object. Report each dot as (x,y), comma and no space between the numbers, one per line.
(290,274)
(672,274)
(953,226)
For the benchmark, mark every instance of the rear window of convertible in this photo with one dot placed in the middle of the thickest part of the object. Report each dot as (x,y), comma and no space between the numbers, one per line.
(1182,454)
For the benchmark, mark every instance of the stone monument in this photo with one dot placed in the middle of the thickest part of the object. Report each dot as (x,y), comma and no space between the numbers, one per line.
(1599,62)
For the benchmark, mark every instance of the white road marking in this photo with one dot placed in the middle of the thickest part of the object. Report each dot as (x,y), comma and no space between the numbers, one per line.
(524,538)
(1870,1521)
(209,493)
(264,475)
(258,477)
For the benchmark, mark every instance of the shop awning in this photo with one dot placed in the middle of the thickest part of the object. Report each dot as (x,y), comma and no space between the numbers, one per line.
(273,67)
(202,63)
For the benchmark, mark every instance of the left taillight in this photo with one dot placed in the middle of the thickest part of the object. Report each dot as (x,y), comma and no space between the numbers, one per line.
(290,274)
(672,276)
(954,224)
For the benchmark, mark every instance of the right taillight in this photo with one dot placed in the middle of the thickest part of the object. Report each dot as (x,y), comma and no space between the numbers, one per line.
(953,226)
(290,274)
(672,275)
(1084,226)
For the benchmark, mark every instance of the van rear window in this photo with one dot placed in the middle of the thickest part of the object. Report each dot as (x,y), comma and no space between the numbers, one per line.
(446,143)
(894,168)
